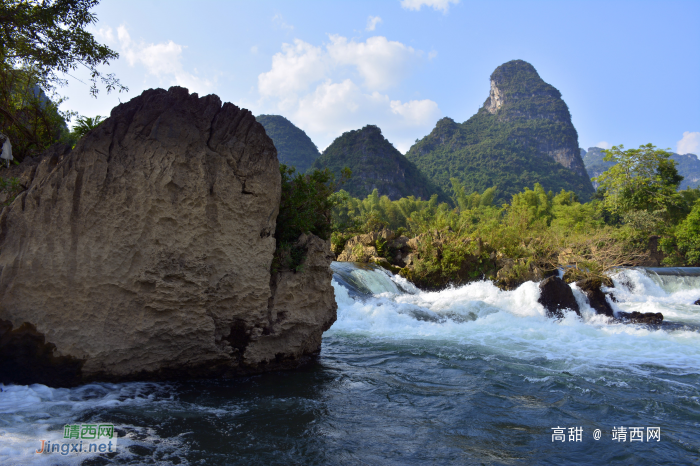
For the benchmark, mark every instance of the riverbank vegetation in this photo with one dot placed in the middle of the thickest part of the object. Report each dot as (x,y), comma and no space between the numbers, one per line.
(538,231)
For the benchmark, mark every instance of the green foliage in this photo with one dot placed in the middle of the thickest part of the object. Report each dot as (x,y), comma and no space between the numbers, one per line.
(85,124)
(375,164)
(305,207)
(11,188)
(503,149)
(50,38)
(41,41)
(642,186)
(31,120)
(294,147)
(683,247)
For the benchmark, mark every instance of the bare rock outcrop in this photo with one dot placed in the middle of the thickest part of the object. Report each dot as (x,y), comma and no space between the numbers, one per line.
(145,253)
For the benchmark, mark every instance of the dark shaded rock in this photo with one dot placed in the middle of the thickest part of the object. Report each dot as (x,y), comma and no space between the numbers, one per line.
(635,317)
(596,297)
(26,358)
(555,295)
(697,303)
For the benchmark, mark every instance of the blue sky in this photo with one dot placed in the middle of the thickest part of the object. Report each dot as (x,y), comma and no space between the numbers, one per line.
(628,70)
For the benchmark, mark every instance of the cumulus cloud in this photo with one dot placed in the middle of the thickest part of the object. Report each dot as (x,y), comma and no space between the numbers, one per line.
(163,60)
(416,112)
(441,5)
(689,144)
(380,62)
(372,22)
(342,85)
(602,145)
(294,69)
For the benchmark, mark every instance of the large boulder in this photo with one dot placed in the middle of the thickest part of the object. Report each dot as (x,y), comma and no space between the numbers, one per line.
(145,253)
(555,296)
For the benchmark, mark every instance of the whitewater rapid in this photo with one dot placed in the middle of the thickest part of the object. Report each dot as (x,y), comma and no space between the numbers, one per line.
(513,323)
(427,364)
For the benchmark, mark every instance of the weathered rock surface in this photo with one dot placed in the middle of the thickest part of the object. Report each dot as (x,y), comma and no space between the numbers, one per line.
(596,297)
(302,307)
(555,296)
(145,253)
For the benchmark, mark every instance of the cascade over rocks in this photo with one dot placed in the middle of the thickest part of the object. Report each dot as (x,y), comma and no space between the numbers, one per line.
(145,253)
(555,296)
(596,297)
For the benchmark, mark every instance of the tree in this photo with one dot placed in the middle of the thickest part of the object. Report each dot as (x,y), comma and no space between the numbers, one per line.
(85,124)
(643,181)
(40,42)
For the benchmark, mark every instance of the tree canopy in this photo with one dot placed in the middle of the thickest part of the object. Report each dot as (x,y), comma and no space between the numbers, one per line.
(642,180)
(40,43)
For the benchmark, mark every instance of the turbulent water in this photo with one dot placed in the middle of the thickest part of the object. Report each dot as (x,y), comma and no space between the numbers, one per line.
(469,375)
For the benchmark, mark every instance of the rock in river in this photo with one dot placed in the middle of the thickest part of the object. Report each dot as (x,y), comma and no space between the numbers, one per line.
(145,253)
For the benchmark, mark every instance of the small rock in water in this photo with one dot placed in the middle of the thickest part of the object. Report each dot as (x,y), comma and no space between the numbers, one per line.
(635,317)
(557,295)
(697,303)
(596,298)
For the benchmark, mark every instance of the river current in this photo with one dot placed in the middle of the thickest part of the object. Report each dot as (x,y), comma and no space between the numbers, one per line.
(468,375)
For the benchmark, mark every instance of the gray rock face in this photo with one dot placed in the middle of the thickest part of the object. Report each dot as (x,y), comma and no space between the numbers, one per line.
(145,252)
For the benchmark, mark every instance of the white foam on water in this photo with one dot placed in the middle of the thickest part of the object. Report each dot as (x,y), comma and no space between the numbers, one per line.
(513,323)
(29,414)
(638,291)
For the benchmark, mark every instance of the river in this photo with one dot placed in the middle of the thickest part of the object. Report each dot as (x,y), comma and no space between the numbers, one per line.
(468,375)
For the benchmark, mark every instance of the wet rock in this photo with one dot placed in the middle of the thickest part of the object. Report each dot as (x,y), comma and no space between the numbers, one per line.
(649,318)
(145,252)
(555,296)
(697,303)
(596,297)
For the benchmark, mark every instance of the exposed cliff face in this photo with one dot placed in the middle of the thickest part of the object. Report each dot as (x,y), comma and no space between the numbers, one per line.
(145,252)
(519,94)
(375,164)
(522,135)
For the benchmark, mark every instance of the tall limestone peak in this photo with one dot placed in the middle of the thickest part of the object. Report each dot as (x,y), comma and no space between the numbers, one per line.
(294,147)
(522,135)
(375,164)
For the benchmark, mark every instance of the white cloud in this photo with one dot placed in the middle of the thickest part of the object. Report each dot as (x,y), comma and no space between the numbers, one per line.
(372,22)
(441,5)
(294,69)
(105,34)
(380,62)
(163,61)
(416,112)
(340,86)
(690,143)
(602,145)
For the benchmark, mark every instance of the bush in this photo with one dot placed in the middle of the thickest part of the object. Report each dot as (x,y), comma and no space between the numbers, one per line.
(305,207)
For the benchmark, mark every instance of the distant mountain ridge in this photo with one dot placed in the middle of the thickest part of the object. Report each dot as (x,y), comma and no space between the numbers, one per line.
(375,164)
(521,136)
(294,147)
(688,166)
